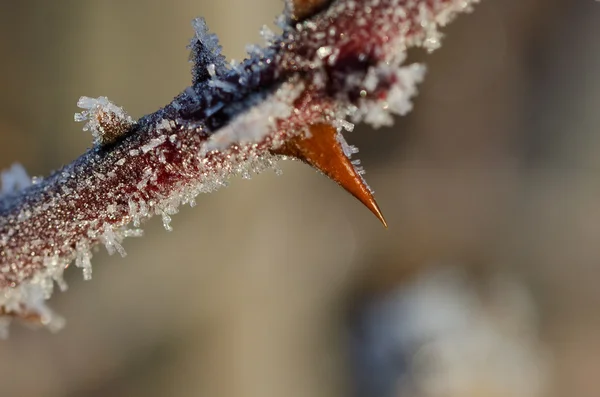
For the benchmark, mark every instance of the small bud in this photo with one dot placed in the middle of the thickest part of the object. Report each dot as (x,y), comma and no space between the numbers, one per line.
(106,121)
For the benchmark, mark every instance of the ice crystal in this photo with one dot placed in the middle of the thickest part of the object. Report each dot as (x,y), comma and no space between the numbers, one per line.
(14,179)
(402,86)
(28,298)
(155,142)
(349,150)
(256,123)
(267,34)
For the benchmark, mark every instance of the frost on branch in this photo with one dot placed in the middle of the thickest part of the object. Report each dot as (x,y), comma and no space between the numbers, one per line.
(339,64)
(402,86)
(13,180)
(258,121)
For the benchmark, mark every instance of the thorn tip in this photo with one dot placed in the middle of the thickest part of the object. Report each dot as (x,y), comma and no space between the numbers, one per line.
(323,151)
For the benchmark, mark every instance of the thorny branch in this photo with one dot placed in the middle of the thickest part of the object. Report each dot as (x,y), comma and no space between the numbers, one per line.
(336,63)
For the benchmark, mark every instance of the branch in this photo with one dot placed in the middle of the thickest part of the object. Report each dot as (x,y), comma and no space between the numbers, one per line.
(335,64)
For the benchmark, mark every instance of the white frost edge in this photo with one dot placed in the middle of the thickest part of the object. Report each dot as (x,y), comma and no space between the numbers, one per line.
(256,123)
(14,179)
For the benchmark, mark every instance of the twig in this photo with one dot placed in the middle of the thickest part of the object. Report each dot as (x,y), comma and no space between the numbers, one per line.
(334,62)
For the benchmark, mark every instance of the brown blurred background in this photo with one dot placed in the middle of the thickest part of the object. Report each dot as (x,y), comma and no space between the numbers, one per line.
(484,285)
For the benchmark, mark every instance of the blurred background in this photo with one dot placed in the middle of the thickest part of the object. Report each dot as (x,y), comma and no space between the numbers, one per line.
(484,285)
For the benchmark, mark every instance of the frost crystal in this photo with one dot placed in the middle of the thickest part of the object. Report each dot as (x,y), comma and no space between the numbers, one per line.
(349,150)
(267,34)
(256,123)
(106,121)
(14,179)
(29,298)
(402,82)
(153,143)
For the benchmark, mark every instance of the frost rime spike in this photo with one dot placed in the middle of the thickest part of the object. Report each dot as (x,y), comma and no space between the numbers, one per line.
(323,151)
(205,53)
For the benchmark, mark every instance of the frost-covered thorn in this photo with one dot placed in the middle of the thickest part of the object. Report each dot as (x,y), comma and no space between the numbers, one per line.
(106,121)
(205,53)
(326,150)
(23,314)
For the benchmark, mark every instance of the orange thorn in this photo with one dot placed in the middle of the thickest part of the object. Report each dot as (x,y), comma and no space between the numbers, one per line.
(28,317)
(323,151)
(302,9)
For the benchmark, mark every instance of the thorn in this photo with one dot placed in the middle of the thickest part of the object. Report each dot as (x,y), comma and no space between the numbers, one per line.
(301,9)
(28,317)
(205,53)
(323,151)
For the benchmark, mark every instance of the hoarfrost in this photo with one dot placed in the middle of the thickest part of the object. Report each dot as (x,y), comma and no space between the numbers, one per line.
(224,85)
(112,241)
(211,69)
(28,298)
(167,222)
(348,150)
(267,34)
(14,179)
(324,51)
(154,142)
(83,259)
(404,80)
(164,125)
(254,124)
